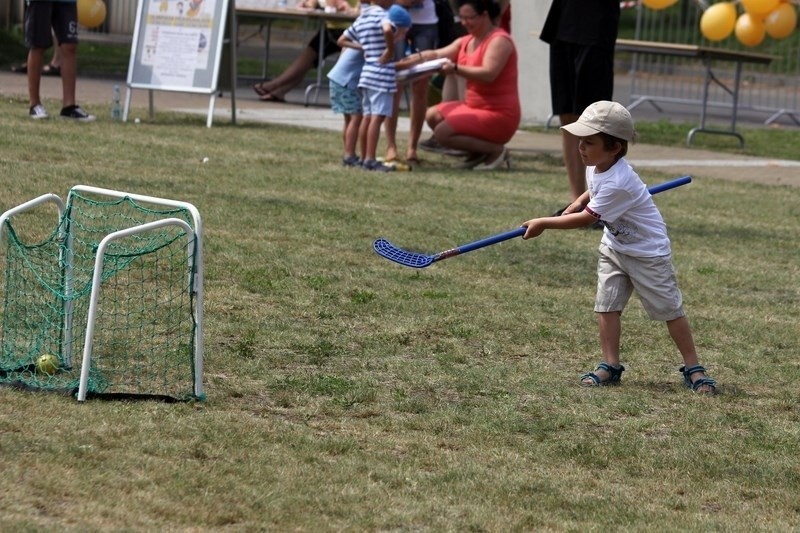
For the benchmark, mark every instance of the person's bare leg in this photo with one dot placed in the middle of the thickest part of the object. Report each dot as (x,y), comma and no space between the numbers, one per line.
(449,138)
(351,135)
(419,95)
(681,334)
(610,329)
(347,123)
(35,61)
(433,117)
(373,136)
(55,61)
(576,170)
(293,75)
(69,74)
(362,136)
(450,89)
(390,126)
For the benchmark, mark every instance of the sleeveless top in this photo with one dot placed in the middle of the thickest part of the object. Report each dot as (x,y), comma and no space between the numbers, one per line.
(502,95)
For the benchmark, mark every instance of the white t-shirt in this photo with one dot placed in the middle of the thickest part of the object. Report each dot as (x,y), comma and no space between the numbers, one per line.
(633,224)
(423,12)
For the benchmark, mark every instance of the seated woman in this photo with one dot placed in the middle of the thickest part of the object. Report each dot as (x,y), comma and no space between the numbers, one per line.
(275,90)
(490,114)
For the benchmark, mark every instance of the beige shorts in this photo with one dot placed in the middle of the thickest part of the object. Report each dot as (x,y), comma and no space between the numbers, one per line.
(653,279)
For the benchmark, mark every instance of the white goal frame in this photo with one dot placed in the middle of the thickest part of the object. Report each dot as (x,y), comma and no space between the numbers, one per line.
(194,253)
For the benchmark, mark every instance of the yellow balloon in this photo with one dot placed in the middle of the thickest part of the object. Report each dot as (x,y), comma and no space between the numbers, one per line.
(659,4)
(781,22)
(718,21)
(91,13)
(759,7)
(750,30)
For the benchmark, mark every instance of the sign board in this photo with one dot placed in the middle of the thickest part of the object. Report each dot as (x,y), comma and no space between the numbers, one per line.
(177,45)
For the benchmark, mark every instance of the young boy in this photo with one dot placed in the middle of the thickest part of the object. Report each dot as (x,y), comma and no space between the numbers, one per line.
(375,32)
(346,98)
(635,249)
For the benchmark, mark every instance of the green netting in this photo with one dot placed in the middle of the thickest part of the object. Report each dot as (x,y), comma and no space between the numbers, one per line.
(144,330)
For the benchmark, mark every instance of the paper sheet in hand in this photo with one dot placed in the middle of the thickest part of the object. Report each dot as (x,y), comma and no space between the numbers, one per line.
(423,69)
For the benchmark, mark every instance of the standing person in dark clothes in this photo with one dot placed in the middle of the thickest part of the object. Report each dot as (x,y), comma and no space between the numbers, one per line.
(43,19)
(581,35)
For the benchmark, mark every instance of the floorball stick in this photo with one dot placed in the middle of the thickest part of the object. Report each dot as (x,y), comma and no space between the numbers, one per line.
(387,250)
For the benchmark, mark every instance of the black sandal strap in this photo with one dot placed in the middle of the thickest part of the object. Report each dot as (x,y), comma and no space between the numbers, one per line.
(614,375)
(700,382)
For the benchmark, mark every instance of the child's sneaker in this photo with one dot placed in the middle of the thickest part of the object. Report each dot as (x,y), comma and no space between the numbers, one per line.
(38,112)
(351,161)
(74,112)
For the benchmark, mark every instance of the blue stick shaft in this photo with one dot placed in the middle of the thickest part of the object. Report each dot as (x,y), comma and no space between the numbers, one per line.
(488,241)
(518,232)
(667,185)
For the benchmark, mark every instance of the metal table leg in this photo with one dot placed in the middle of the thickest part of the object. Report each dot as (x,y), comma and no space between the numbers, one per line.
(320,64)
(711,78)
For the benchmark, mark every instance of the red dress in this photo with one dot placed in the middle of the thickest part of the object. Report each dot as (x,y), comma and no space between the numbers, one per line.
(490,111)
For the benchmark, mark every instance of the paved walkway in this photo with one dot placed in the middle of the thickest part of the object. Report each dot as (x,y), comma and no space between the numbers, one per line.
(671,160)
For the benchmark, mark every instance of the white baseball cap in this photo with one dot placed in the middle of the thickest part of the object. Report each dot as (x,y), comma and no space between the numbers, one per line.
(604,117)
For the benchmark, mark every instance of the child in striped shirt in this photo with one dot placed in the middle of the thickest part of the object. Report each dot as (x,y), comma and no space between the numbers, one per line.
(374,32)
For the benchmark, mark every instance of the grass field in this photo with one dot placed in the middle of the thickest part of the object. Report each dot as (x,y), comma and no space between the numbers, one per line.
(349,393)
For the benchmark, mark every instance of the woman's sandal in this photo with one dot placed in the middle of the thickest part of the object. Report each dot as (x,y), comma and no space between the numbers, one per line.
(51,70)
(699,383)
(590,379)
(269,97)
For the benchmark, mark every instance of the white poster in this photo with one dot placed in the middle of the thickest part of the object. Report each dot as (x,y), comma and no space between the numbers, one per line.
(176,41)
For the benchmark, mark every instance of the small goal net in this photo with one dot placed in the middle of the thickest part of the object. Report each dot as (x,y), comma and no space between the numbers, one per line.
(105,298)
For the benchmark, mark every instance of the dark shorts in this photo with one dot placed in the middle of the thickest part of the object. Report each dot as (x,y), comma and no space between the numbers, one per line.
(331,36)
(579,76)
(424,37)
(41,17)
(420,37)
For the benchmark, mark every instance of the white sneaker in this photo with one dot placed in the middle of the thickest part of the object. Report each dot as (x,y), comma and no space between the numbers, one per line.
(502,160)
(38,112)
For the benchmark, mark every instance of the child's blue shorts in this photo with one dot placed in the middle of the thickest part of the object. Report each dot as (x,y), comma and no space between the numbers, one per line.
(345,101)
(377,103)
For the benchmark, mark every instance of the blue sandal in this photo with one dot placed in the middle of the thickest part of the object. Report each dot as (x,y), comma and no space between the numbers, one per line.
(614,376)
(700,382)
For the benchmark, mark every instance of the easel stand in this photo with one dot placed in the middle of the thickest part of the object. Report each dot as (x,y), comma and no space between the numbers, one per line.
(177,48)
